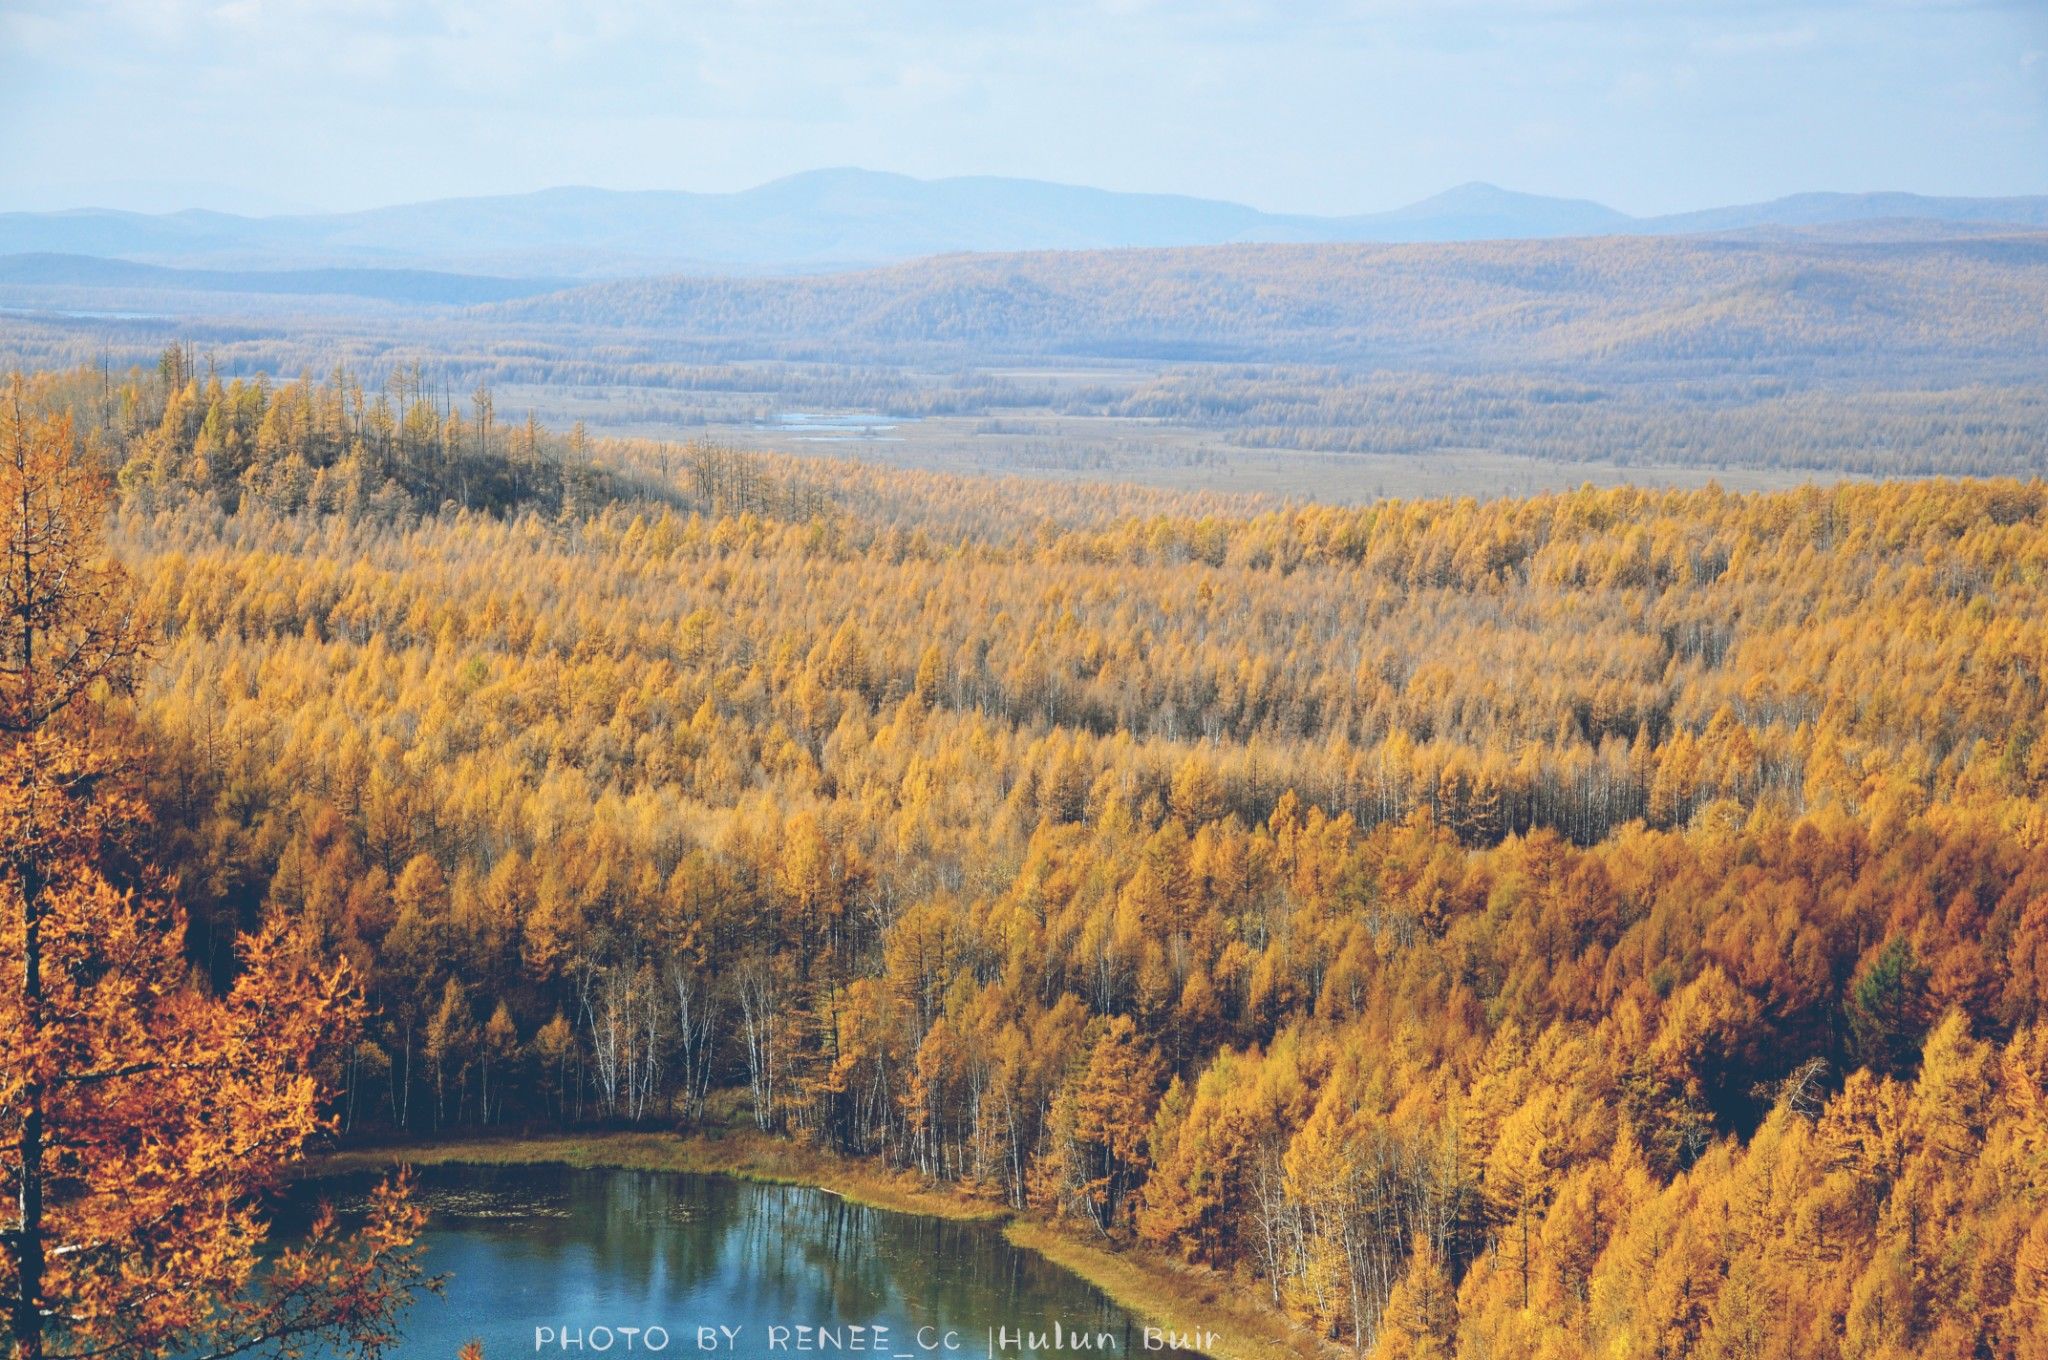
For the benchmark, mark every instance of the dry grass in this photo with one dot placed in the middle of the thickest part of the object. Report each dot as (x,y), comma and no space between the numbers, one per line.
(1168,1294)
(741,1154)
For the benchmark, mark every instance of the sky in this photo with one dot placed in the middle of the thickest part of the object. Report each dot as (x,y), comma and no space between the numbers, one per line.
(1323,106)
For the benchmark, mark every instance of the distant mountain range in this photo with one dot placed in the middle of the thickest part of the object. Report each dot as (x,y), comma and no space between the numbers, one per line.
(832,219)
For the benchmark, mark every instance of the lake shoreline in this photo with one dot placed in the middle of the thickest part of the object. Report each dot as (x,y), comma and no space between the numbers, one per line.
(1152,1287)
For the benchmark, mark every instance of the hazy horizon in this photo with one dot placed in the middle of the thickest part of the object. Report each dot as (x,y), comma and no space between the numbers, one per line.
(259,210)
(1335,107)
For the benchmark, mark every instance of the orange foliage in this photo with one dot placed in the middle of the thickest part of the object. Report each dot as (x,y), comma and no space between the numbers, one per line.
(1604,923)
(141,1113)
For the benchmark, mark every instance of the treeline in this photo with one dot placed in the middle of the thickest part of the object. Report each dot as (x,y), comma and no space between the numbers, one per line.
(1612,922)
(408,448)
(1972,429)
(330,447)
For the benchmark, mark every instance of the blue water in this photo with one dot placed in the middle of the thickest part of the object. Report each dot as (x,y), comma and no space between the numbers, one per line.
(545,1261)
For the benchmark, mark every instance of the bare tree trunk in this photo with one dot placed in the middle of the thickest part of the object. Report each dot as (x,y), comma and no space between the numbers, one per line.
(757,1018)
(27,1238)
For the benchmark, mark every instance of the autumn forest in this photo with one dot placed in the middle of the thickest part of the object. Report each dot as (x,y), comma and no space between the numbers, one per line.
(1606,923)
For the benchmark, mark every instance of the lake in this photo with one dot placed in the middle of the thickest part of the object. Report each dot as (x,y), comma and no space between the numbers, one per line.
(576,1264)
(812,427)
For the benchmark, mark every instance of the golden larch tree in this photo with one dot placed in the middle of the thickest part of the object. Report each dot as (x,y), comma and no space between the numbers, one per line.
(142,1114)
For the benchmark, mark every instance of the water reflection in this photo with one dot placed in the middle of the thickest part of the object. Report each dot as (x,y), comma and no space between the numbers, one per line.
(572,1251)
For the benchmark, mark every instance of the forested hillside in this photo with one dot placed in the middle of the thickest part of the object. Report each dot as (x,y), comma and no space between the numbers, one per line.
(327,447)
(1608,923)
(1654,300)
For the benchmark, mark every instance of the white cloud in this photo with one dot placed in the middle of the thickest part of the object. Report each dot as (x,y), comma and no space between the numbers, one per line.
(1332,105)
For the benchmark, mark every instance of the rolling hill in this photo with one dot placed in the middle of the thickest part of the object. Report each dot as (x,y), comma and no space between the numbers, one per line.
(383,285)
(1654,299)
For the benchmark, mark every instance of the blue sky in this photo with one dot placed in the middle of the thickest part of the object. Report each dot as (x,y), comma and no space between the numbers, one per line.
(1298,105)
